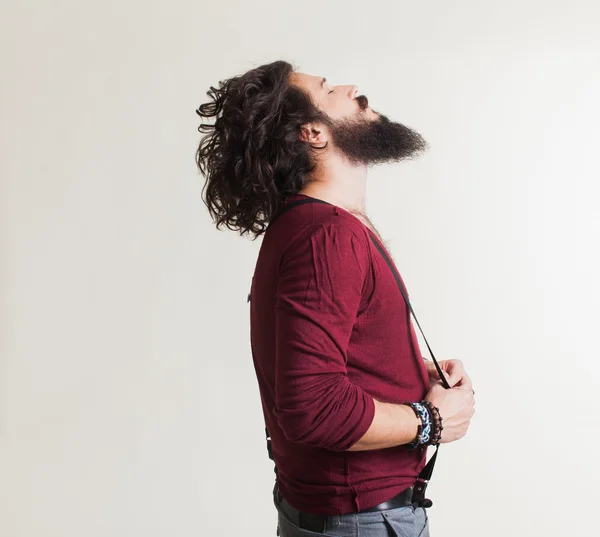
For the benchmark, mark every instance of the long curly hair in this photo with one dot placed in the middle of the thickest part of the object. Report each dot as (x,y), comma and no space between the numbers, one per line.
(252,156)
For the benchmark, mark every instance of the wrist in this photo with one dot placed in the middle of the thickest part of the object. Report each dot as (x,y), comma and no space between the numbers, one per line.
(430,427)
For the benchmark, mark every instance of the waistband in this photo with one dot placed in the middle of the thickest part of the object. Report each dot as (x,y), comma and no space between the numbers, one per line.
(318,523)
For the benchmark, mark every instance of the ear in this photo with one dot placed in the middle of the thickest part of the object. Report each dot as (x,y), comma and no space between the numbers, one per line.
(313,133)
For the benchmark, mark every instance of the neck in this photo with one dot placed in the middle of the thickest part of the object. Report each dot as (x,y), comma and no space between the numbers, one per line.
(337,182)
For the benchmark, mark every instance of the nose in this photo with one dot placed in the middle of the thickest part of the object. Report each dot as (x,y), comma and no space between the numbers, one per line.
(351,91)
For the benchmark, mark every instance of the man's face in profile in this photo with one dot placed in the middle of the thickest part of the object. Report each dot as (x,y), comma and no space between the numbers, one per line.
(363,136)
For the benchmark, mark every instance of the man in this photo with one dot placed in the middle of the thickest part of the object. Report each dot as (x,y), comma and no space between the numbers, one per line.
(349,403)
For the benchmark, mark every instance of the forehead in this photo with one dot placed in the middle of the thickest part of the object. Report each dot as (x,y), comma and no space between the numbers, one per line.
(310,82)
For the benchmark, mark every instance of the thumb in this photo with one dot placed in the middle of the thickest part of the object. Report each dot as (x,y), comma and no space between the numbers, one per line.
(452,379)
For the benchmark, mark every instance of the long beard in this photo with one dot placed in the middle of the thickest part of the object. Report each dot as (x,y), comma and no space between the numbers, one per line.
(375,141)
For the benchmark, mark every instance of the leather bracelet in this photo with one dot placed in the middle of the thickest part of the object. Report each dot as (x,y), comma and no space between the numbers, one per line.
(424,428)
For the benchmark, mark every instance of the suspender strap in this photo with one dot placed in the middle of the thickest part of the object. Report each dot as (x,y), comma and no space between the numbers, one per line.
(405,296)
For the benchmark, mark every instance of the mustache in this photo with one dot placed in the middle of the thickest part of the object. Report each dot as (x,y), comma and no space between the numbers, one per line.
(363,102)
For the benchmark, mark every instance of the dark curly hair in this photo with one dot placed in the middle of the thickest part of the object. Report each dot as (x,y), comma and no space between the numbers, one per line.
(252,156)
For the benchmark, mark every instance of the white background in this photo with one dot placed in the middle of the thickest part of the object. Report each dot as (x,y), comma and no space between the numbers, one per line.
(128,401)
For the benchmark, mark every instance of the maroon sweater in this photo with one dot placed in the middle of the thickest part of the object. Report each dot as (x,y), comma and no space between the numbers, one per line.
(330,331)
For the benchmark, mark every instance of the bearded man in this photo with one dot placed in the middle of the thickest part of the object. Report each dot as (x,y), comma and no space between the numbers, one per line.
(349,403)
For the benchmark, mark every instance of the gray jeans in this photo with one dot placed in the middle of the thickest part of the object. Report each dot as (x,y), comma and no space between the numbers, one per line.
(408,521)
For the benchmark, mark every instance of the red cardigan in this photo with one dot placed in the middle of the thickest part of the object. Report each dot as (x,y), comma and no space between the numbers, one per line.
(329,332)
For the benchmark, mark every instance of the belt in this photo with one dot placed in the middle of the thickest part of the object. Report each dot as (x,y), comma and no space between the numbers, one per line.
(318,523)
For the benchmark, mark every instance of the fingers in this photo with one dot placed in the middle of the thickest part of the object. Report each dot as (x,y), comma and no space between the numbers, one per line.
(469,394)
(455,375)
(456,371)
(464,381)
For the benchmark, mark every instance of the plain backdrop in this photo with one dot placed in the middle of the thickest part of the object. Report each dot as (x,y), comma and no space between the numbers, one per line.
(128,400)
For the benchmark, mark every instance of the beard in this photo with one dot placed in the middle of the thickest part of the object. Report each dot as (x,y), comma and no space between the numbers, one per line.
(366,141)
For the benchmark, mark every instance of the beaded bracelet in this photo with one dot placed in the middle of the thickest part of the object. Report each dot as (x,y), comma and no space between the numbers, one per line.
(436,423)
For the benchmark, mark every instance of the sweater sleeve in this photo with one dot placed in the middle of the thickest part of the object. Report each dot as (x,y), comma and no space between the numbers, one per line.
(320,284)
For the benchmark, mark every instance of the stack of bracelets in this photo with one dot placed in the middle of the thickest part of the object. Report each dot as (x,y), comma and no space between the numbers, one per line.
(430,429)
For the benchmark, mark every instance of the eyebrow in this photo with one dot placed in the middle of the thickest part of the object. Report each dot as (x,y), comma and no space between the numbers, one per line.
(323,81)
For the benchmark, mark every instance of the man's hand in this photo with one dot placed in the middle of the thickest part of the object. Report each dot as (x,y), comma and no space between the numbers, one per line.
(456,406)
(453,371)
